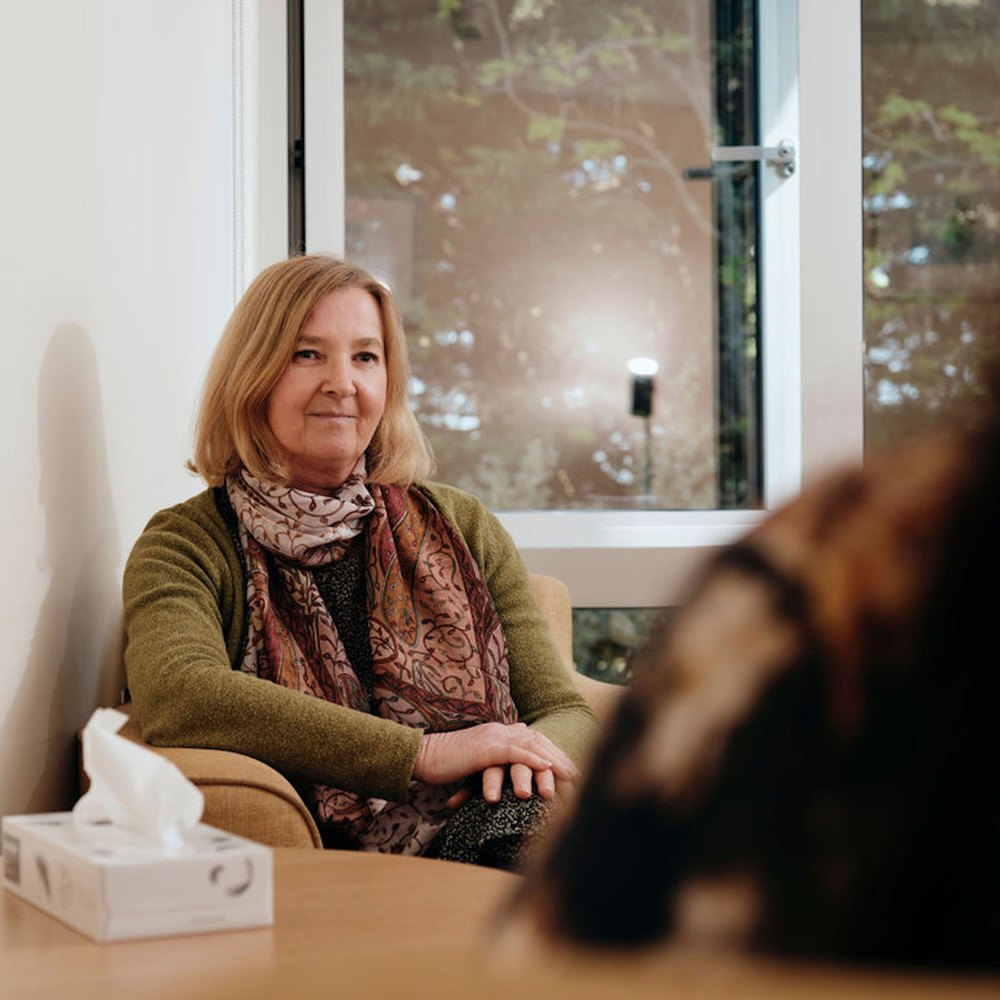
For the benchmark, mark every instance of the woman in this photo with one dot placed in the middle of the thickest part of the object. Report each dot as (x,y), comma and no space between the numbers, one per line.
(323,608)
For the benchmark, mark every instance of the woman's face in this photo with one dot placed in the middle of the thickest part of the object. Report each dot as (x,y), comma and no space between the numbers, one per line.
(330,399)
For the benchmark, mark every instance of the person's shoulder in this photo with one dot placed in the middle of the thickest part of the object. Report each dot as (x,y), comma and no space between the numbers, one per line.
(448,494)
(201,508)
(189,541)
(458,504)
(197,520)
(476,522)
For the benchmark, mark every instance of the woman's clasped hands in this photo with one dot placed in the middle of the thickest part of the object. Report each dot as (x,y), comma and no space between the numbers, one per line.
(533,761)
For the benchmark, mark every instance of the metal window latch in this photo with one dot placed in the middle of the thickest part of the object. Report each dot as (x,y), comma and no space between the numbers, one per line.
(781,156)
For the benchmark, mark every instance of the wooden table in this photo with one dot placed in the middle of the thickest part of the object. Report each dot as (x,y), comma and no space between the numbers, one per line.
(345,905)
(371,926)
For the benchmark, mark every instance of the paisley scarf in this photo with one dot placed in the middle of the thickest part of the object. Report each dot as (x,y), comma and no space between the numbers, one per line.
(438,648)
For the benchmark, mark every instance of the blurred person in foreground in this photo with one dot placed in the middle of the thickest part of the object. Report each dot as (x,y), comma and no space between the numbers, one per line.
(324,608)
(806,761)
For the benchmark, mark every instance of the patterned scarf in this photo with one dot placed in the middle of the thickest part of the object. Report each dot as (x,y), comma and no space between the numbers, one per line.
(438,649)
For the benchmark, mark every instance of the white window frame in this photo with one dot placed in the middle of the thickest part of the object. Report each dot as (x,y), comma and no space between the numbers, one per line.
(264,199)
(811,298)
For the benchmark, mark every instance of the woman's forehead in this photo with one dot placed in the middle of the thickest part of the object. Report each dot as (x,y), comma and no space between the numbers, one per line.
(352,312)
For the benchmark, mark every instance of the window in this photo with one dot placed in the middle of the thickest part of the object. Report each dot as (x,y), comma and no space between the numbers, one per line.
(636,557)
(578,280)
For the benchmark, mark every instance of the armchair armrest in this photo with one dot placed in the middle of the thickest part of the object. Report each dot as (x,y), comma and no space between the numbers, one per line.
(242,795)
(553,595)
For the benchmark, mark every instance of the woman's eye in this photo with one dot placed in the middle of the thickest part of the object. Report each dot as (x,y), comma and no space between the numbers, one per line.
(367,357)
(304,355)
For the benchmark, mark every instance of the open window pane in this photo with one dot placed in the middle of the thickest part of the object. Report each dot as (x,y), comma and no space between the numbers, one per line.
(533,178)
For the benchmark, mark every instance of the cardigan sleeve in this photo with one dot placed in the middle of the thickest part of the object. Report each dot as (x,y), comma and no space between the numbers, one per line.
(542,691)
(183,597)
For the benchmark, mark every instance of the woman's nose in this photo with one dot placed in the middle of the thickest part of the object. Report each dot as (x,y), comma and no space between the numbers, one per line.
(338,380)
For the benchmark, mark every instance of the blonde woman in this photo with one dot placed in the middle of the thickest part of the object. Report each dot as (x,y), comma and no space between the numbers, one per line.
(325,608)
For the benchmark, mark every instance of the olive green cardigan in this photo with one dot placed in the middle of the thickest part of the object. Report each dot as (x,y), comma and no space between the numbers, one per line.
(185,608)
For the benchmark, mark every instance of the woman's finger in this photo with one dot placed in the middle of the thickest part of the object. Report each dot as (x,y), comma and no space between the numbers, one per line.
(528,757)
(545,782)
(521,779)
(560,763)
(493,783)
(452,756)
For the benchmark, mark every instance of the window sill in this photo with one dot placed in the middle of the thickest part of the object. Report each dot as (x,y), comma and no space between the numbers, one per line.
(624,559)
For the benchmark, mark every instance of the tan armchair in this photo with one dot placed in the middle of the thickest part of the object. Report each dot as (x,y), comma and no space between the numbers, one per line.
(249,798)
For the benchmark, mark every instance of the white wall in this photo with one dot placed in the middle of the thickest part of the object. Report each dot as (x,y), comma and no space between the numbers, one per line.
(116,276)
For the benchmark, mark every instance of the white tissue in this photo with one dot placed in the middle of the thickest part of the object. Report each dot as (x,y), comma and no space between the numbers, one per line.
(136,797)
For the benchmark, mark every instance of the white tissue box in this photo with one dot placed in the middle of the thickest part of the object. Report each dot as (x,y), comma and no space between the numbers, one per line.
(219,882)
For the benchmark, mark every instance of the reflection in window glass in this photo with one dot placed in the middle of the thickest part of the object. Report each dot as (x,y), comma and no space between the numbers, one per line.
(931,76)
(532,177)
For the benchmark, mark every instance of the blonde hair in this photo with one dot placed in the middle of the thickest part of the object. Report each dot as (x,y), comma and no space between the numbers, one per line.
(253,353)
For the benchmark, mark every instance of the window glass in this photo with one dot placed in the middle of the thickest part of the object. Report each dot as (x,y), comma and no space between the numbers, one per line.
(606,640)
(931,79)
(532,177)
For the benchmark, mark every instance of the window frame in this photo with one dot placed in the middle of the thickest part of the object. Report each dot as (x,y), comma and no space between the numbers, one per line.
(811,299)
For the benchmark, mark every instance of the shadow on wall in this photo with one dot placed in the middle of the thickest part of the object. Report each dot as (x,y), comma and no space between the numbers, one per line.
(75,662)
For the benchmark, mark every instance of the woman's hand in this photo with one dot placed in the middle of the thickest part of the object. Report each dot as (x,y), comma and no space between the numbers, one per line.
(492,748)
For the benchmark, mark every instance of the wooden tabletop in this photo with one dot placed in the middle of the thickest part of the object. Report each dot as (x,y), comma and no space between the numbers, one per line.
(368,925)
(343,905)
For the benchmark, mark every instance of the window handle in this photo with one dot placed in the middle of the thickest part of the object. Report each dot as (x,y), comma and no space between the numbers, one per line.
(781,156)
